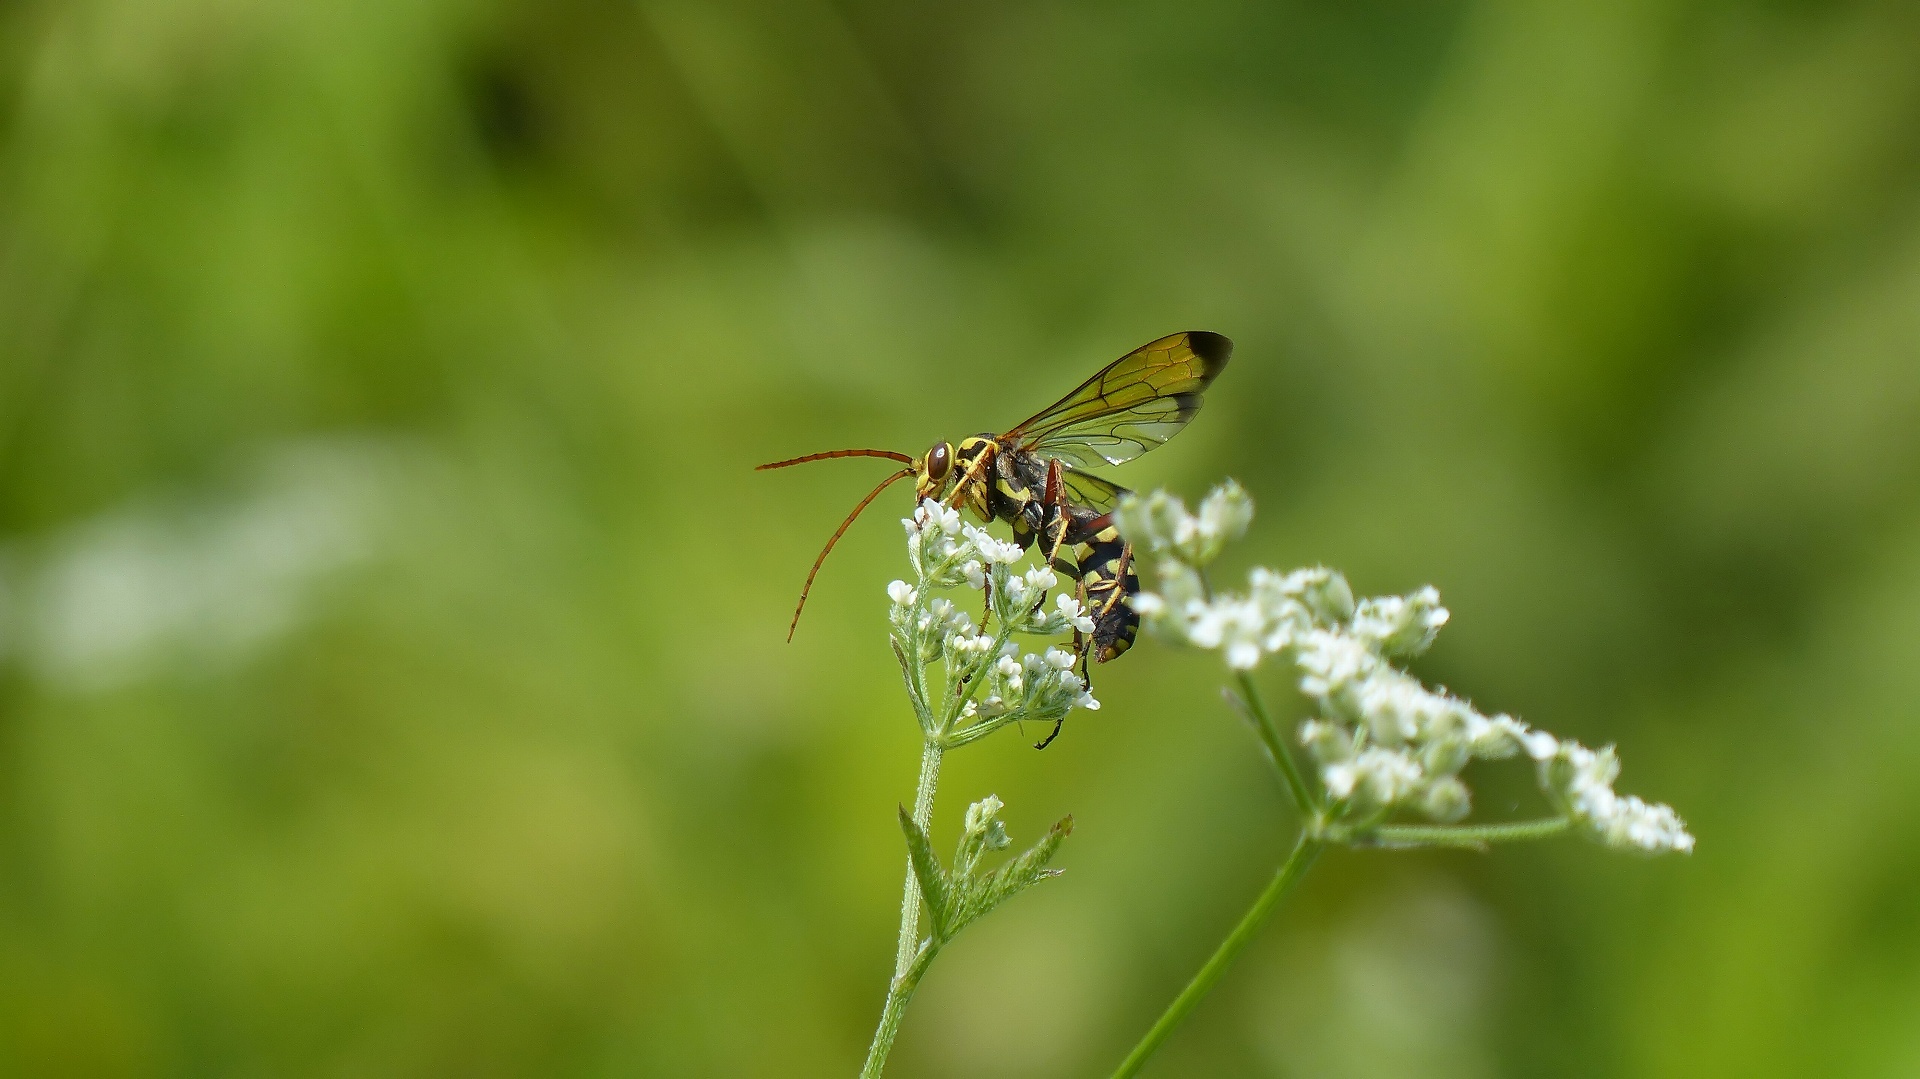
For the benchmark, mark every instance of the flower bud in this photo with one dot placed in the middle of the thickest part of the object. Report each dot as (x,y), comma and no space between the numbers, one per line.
(1401,625)
(983,820)
(1326,742)
(1224,515)
(1444,756)
(1328,595)
(1155,524)
(1446,800)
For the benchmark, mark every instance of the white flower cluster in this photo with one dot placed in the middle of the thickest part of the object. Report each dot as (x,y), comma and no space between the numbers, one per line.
(994,683)
(1382,740)
(1580,781)
(1164,527)
(947,553)
(1036,685)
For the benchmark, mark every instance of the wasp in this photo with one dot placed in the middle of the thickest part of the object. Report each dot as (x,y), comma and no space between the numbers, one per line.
(1033,476)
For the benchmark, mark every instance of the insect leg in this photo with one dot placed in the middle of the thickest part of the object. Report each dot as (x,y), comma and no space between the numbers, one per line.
(1119,579)
(1055,503)
(1051,735)
(975,469)
(1080,642)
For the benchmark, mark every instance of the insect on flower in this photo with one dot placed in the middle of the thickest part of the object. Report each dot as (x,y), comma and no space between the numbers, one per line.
(1032,478)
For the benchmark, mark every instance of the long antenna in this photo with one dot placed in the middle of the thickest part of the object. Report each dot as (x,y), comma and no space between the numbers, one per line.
(891,455)
(838,532)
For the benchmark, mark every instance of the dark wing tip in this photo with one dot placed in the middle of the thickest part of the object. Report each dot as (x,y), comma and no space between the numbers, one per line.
(1189,403)
(1212,347)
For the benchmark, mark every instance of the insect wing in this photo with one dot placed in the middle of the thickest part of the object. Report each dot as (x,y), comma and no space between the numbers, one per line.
(1132,405)
(1087,489)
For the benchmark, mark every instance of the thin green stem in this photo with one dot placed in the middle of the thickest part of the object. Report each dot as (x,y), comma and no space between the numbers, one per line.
(1467,835)
(898,994)
(930,751)
(1269,734)
(1289,874)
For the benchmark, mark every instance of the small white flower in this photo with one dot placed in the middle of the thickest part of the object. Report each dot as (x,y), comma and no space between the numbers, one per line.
(1326,742)
(1014,595)
(1539,744)
(1447,800)
(992,550)
(1010,671)
(932,517)
(1387,775)
(1339,778)
(1329,661)
(902,593)
(975,574)
(1492,739)
(1074,614)
(1400,625)
(1059,659)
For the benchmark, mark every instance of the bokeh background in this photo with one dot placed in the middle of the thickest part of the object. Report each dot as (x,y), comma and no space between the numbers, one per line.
(391,667)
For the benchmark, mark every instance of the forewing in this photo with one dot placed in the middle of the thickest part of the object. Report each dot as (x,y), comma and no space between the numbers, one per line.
(1132,405)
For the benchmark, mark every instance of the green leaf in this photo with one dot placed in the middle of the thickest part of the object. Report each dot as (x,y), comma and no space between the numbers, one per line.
(926,869)
(1029,868)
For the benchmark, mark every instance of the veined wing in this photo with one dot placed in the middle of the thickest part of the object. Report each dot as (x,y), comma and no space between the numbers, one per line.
(1132,405)
(1087,489)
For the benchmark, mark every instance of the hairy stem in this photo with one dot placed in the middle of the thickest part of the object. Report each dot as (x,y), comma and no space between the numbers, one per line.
(1468,835)
(1305,850)
(911,960)
(898,994)
(910,901)
(1269,734)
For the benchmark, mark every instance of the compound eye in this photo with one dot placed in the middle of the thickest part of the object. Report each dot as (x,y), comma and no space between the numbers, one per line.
(939,460)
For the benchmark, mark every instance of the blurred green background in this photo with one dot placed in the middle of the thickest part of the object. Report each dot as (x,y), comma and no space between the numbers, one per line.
(391,666)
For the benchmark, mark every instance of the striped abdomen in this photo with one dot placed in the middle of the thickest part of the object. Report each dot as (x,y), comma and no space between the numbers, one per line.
(1101,561)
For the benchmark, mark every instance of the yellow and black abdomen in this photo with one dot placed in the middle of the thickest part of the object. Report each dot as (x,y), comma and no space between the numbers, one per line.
(1107,570)
(1094,554)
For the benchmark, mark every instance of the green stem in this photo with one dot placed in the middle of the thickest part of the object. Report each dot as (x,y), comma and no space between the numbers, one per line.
(911,959)
(1467,835)
(898,994)
(1276,746)
(930,751)
(1304,852)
